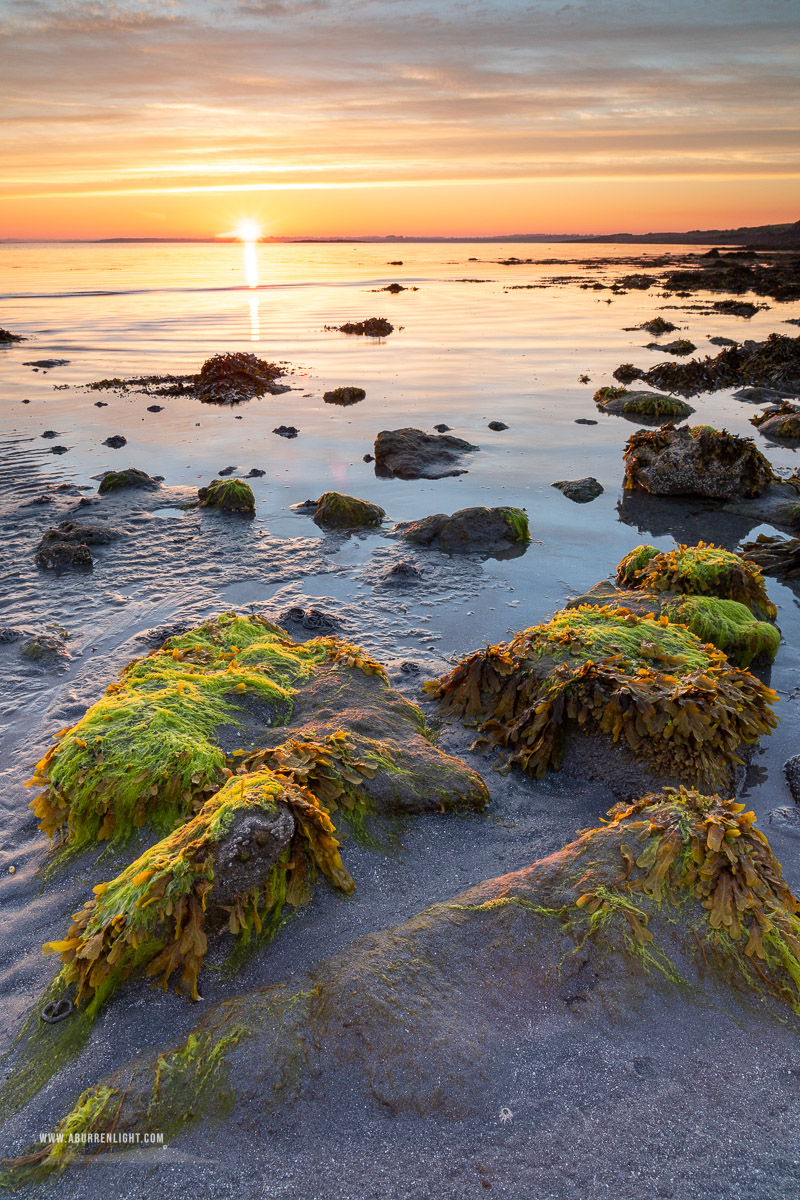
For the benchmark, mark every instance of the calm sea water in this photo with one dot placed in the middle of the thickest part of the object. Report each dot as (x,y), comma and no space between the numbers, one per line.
(463,353)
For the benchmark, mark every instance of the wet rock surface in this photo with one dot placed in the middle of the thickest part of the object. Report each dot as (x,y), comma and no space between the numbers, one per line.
(337,511)
(132,477)
(413,454)
(581,491)
(470,530)
(697,461)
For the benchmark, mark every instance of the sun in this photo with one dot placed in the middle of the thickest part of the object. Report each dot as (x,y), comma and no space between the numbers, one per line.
(248,231)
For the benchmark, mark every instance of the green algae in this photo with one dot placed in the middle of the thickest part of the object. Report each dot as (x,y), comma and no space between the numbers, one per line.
(337,511)
(671,701)
(701,570)
(647,405)
(728,625)
(517,521)
(146,753)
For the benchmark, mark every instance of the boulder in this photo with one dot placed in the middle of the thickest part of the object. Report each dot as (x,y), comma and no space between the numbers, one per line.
(412,454)
(337,511)
(68,545)
(646,408)
(695,461)
(470,529)
(228,495)
(132,477)
(581,491)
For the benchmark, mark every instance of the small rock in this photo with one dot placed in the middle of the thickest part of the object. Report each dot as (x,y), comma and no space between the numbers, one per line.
(226,471)
(497,426)
(584,421)
(50,433)
(581,491)
(344,395)
(101,404)
(367,458)
(442,428)
(470,530)
(722,341)
(786,819)
(155,408)
(255,473)
(47,363)
(401,573)
(116,441)
(59,449)
(314,620)
(287,431)
(412,454)
(112,481)
(46,650)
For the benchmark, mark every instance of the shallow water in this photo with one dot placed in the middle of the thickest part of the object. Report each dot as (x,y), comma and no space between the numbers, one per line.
(463,353)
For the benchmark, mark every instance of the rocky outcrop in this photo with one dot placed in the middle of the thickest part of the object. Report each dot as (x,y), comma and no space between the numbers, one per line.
(413,454)
(695,461)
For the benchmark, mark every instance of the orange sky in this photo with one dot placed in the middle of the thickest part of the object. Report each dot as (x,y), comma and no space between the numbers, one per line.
(179,117)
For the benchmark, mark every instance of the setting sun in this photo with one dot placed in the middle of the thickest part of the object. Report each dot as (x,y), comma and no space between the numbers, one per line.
(248,231)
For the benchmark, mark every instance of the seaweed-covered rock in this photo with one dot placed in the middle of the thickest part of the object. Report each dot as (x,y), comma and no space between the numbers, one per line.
(470,529)
(680,346)
(774,363)
(229,495)
(644,407)
(132,477)
(232,378)
(377,327)
(344,395)
(413,454)
(593,678)
(695,461)
(677,894)
(701,570)
(337,511)
(627,372)
(581,491)
(7,337)
(780,422)
(657,326)
(46,650)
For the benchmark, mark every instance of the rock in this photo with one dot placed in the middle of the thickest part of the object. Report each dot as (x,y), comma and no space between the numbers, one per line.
(763,395)
(553,697)
(401,574)
(636,282)
(116,442)
(226,471)
(46,650)
(791,769)
(155,408)
(47,363)
(234,378)
(786,819)
(577,931)
(310,620)
(7,337)
(337,511)
(367,458)
(681,346)
(470,530)
(582,491)
(412,454)
(323,733)
(344,395)
(132,477)
(255,473)
(59,449)
(50,433)
(377,327)
(68,545)
(287,431)
(585,421)
(394,288)
(723,341)
(695,461)
(780,422)
(497,426)
(396,262)
(442,428)
(626,373)
(228,495)
(646,408)
(101,404)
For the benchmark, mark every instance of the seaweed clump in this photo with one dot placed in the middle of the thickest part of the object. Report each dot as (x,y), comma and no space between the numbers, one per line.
(695,461)
(774,555)
(772,363)
(229,495)
(7,337)
(377,327)
(674,703)
(701,570)
(232,378)
(148,752)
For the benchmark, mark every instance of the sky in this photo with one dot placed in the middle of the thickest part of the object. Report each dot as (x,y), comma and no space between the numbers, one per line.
(160,118)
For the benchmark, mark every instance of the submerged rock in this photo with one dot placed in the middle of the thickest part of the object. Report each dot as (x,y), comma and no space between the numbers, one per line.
(644,407)
(695,461)
(46,650)
(780,422)
(344,395)
(412,454)
(605,692)
(229,495)
(676,895)
(581,491)
(470,529)
(377,327)
(401,574)
(337,511)
(132,477)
